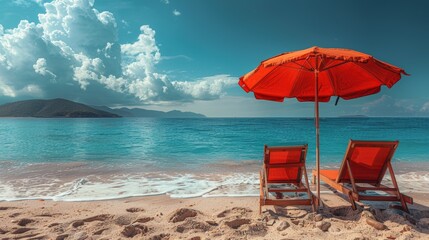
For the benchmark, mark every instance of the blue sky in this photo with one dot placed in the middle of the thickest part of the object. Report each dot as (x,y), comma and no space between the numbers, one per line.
(188,55)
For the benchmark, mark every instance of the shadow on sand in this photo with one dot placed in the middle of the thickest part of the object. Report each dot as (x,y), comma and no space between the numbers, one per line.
(382,218)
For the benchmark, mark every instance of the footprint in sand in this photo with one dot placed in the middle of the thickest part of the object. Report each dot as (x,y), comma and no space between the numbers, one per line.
(132,230)
(32,236)
(162,236)
(236,223)
(22,230)
(183,213)
(61,237)
(192,225)
(144,220)
(134,209)
(14,215)
(99,232)
(24,221)
(47,215)
(78,223)
(101,217)
(234,211)
(6,208)
(53,224)
(123,220)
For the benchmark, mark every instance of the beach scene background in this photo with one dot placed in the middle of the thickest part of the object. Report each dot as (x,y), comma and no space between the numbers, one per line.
(96,159)
(125,120)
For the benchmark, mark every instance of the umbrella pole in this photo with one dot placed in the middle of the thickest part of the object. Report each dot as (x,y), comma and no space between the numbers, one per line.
(316,113)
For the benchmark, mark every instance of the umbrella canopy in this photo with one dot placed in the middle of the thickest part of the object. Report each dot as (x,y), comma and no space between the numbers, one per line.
(316,74)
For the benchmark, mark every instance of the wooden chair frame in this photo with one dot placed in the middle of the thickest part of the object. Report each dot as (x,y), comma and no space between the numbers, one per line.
(297,183)
(354,192)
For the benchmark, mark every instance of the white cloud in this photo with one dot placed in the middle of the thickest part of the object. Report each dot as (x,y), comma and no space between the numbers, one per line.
(27,3)
(31,90)
(166,1)
(388,106)
(40,68)
(21,2)
(206,88)
(176,57)
(141,55)
(6,90)
(73,52)
(425,107)
(125,23)
(88,70)
(176,12)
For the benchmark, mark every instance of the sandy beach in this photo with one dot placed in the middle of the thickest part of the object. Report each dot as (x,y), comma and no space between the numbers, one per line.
(162,217)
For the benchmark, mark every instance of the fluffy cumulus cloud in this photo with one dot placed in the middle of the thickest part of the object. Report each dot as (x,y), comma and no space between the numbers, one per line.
(205,88)
(73,52)
(40,68)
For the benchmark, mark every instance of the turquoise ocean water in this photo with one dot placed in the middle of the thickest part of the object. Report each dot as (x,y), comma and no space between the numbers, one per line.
(88,159)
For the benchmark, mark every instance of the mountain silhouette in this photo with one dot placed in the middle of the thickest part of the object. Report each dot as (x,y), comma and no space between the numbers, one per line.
(53,108)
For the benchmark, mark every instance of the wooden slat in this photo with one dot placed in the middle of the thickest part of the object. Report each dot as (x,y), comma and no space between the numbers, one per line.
(287,190)
(371,143)
(407,199)
(283,202)
(338,186)
(284,165)
(379,198)
(285,181)
(360,189)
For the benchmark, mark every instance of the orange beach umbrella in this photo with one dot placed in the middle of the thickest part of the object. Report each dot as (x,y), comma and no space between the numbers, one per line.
(316,74)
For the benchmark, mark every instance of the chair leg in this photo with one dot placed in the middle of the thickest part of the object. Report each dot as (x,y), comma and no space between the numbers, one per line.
(403,203)
(261,191)
(352,201)
(310,195)
(314,203)
(395,185)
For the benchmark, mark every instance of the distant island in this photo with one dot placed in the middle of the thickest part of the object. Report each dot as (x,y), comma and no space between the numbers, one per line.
(353,116)
(63,108)
(140,112)
(53,108)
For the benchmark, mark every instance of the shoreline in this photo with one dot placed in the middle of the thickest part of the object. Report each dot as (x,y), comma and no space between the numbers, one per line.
(83,182)
(162,217)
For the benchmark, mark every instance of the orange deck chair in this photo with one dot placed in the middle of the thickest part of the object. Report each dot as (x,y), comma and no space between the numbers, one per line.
(363,169)
(284,165)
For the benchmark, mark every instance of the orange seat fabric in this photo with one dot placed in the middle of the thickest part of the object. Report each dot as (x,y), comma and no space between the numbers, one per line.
(283,157)
(331,174)
(366,163)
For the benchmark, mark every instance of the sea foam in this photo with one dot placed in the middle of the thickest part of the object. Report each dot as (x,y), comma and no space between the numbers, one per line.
(176,185)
